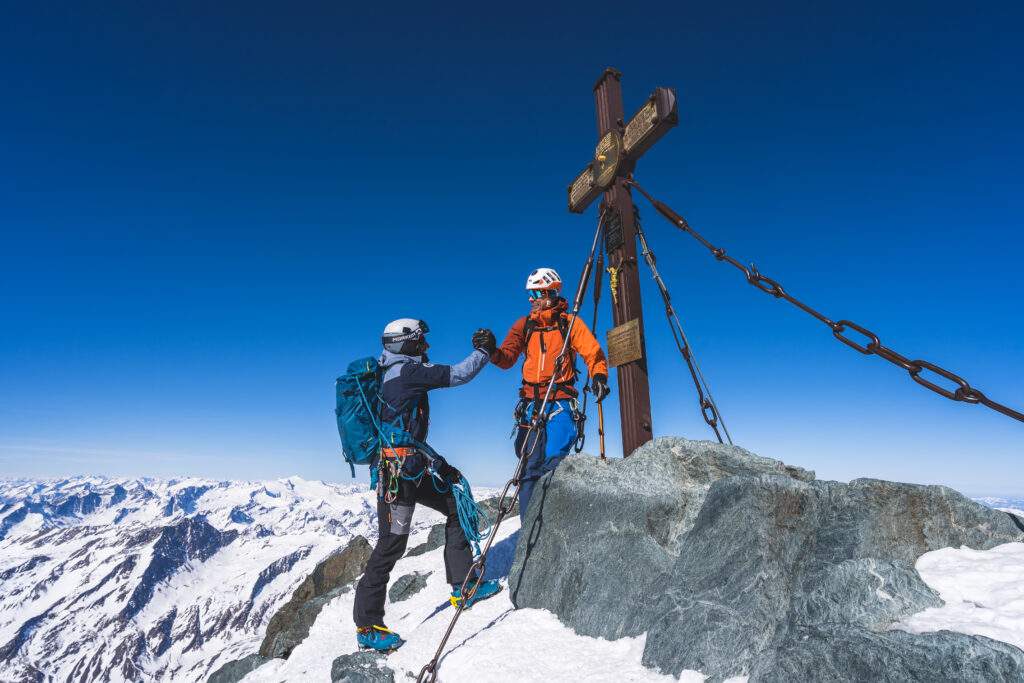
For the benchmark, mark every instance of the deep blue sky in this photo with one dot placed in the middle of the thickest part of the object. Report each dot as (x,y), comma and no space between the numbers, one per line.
(209,209)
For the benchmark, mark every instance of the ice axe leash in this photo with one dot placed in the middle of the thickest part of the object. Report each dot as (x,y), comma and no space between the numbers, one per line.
(428,674)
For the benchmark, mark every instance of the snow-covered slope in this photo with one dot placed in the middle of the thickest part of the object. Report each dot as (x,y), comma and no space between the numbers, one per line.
(111,580)
(495,643)
(492,642)
(146,580)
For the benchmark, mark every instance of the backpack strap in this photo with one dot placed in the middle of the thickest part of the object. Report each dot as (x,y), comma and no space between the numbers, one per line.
(562,325)
(528,330)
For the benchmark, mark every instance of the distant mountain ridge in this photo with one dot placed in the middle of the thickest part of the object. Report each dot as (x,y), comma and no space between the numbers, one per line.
(164,580)
(143,579)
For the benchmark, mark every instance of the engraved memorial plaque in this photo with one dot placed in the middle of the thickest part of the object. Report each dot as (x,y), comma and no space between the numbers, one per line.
(640,125)
(613,233)
(583,190)
(624,344)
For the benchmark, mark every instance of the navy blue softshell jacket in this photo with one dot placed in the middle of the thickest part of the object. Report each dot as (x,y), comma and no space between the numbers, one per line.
(404,385)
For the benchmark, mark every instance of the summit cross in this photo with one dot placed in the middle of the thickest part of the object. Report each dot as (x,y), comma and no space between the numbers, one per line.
(619,147)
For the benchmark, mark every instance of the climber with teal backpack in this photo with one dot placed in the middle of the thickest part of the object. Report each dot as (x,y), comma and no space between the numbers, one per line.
(383,415)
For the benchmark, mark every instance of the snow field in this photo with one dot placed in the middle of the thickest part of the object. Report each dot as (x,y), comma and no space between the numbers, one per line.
(492,642)
(983,590)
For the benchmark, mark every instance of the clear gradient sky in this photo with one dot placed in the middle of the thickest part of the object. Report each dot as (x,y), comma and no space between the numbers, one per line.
(208,209)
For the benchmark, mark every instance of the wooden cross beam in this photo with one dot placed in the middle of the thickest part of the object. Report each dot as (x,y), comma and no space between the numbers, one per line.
(619,147)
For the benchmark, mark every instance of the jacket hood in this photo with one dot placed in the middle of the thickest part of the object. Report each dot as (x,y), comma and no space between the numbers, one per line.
(390,358)
(549,315)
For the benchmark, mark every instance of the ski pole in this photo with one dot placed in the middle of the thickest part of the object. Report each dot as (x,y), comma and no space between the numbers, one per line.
(600,428)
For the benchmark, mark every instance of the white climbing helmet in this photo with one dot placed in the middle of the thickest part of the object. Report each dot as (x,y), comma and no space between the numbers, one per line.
(544,278)
(405,336)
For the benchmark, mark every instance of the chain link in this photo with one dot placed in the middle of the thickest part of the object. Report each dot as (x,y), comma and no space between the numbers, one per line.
(428,674)
(964,392)
(708,409)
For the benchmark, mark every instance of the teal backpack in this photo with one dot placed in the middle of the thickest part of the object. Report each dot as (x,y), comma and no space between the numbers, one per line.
(357,408)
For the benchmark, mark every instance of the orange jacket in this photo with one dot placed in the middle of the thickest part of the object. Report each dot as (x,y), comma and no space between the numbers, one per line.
(544,346)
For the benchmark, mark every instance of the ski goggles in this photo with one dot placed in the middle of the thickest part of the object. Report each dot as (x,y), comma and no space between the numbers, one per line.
(542,293)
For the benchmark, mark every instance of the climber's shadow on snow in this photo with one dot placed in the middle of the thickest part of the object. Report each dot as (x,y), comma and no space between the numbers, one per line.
(500,557)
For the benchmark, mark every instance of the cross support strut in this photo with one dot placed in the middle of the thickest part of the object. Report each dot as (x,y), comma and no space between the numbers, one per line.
(620,145)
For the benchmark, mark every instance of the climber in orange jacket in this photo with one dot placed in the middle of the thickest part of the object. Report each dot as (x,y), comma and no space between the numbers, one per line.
(540,336)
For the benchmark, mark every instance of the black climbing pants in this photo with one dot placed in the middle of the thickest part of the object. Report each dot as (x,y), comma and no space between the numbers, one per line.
(394,521)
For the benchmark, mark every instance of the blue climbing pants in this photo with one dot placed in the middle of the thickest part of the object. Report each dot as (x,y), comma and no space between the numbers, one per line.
(553,444)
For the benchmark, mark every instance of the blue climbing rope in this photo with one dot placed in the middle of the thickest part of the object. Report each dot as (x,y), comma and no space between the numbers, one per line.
(469,515)
(469,512)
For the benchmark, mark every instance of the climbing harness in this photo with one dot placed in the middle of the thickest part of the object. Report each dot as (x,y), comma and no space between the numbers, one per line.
(707,405)
(429,671)
(396,446)
(579,420)
(964,392)
(526,410)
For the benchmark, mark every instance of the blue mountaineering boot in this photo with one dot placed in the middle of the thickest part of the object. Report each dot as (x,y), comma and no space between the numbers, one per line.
(378,638)
(486,590)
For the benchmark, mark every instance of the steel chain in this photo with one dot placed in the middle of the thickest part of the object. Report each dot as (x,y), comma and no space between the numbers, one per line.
(964,392)
(707,404)
(428,674)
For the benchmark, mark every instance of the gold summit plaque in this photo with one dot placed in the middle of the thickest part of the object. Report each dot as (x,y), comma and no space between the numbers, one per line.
(581,186)
(642,123)
(624,344)
(607,158)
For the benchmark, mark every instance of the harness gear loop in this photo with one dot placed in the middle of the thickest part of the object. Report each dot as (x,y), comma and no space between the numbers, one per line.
(579,420)
(429,671)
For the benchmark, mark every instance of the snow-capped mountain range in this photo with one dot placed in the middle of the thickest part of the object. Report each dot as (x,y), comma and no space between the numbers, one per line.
(166,580)
(139,579)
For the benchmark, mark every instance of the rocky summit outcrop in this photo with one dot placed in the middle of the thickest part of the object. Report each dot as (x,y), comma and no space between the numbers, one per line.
(290,625)
(407,586)
(232,672)
(361,667)
(737,565)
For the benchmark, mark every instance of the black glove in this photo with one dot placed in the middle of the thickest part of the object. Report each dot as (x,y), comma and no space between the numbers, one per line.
(599,385)
(449,473)
(484,340)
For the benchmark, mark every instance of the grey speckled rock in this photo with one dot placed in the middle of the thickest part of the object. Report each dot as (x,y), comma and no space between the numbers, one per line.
(723,557)
(841,653)
(407,586)
(868,592)
(435,539)
(615,527)
(489,507)
(290,625)
(361,667)
(232,672)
